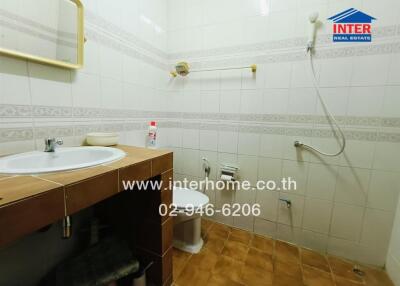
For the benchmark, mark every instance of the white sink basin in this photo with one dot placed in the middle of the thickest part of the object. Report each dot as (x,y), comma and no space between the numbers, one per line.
(62,159)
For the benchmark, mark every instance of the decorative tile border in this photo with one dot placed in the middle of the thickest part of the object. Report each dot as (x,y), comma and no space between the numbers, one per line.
(27,111)
(51,111)
(40,132)
(324,40)
(15,134)
(294,56)
(102,24)
(24,134)
(50,131)
(285,50)
(388,137)
(33,24)
(123,47)
(113,36)
(82,130)
(351,134)
(15,111)
(80,112)
(70,43)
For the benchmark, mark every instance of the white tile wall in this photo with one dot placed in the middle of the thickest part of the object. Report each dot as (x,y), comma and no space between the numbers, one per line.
(390,102)
(383,191)
(275,101)
(269,169)
(86,90)
(278,75)
(14,82)
(249,144)
(322,181)
(49,85)
(393,257)
(365,101)
(347,222)
(292,216)
(329,77)
(338,199)
(271,145)
(317,215)
(229,101)
(208,140)
(352,186)
(227,141)
(268,201)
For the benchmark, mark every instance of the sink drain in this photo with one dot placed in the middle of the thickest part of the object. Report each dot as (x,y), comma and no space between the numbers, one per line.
(357,270)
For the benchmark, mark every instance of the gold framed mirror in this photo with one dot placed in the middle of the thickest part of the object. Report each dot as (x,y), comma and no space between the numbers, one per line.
(44,31)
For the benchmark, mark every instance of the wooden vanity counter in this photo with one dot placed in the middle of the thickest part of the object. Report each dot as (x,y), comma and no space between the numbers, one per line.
(29,203)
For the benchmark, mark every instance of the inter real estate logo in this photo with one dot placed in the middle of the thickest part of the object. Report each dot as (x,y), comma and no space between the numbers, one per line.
(352,26)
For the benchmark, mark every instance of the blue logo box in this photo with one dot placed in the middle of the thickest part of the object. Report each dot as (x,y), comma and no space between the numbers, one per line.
(352,38)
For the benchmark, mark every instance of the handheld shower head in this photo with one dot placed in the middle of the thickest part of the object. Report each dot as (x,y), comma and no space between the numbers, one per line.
(313,18)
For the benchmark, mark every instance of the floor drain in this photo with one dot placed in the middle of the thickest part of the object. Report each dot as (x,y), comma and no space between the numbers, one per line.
(358,271)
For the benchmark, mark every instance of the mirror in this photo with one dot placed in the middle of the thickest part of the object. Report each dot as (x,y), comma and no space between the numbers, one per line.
(45,31)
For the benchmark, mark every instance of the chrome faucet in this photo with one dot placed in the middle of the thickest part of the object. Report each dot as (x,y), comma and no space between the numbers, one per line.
(51,143)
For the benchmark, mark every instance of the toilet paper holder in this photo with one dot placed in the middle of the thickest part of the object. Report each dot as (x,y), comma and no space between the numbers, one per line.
(228,172)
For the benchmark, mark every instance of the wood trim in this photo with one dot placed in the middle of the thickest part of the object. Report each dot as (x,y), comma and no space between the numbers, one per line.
(138,172)
(41,202)
(29,215)
(90,192)
(155,237)
(162,164)
(161,271)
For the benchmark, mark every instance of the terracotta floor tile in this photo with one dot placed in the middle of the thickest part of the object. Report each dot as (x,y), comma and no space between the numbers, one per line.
(191,275)
(343,269)
(179,260)
(344,282)
(241,236)
(256,277)
(315,277)
(205,225)
(228,268)
(377,277)
(234,257)
(259,259)
(220,280)
(235,250)
(218,230)
(204,260)
(314,259)
(288,269)
(263,243)
(286,252)
(214,243)
(284,280)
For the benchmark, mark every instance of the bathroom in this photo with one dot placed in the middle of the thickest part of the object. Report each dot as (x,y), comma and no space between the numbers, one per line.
(231,86)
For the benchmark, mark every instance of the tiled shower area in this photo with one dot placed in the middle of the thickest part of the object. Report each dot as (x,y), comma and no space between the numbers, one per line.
(235,257)
(344,206)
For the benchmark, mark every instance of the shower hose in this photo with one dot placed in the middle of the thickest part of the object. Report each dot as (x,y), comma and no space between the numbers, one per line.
(330,116)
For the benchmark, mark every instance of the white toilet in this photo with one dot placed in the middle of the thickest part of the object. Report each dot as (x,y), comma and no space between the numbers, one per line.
(187,228)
